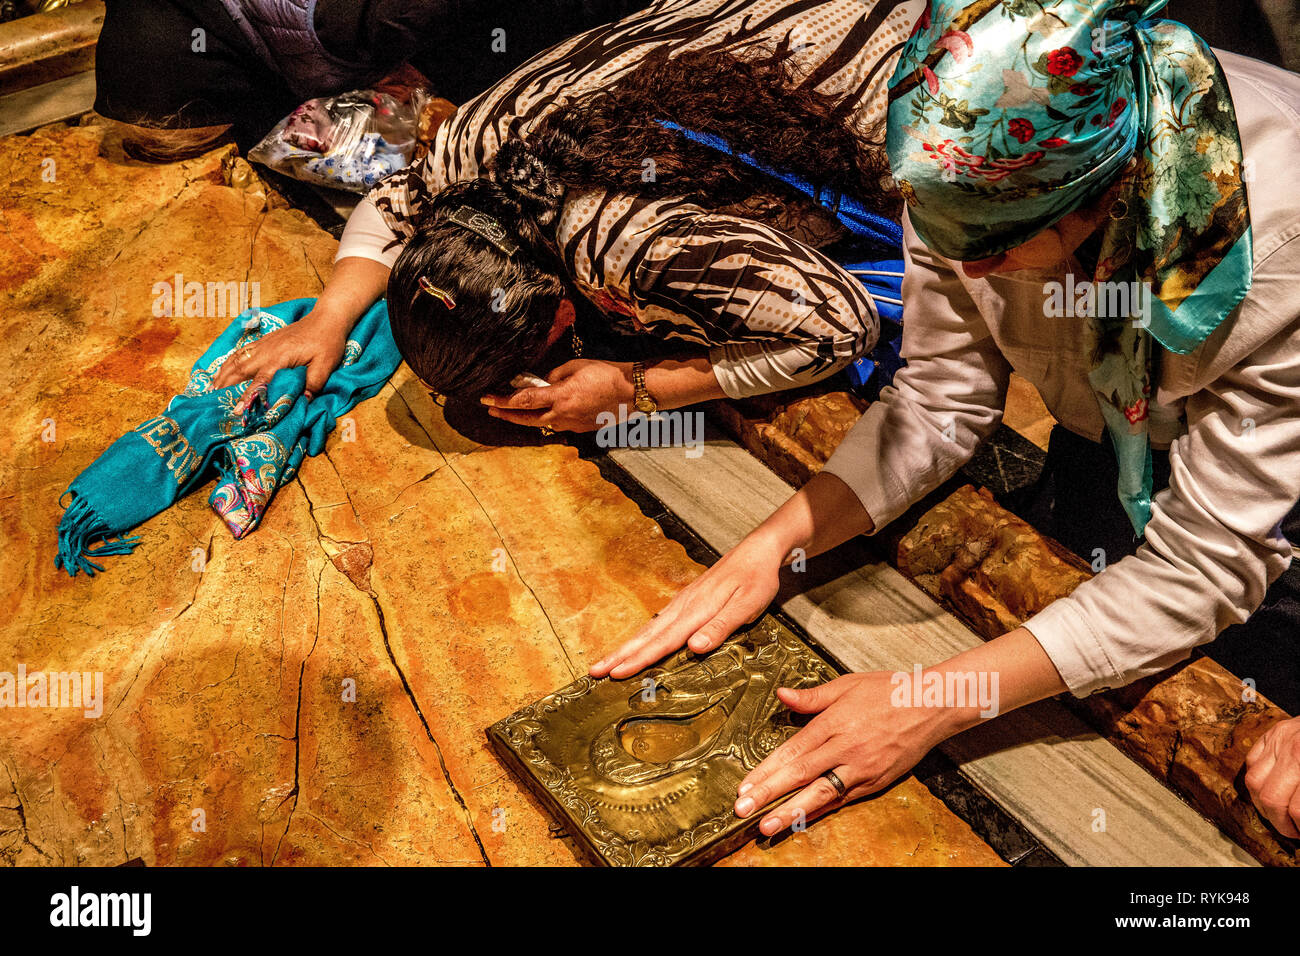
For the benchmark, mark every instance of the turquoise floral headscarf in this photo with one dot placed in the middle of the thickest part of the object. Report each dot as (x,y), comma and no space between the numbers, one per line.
(1006,115)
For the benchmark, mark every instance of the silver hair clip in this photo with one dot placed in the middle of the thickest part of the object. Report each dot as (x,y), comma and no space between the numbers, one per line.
(485,226)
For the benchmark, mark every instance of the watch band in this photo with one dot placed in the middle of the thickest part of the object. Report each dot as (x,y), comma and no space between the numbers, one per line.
(642,400)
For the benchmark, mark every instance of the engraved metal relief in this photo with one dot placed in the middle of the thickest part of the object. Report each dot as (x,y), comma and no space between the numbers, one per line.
(644,771)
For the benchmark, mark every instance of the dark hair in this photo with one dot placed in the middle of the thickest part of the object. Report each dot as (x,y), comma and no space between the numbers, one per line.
(505,304)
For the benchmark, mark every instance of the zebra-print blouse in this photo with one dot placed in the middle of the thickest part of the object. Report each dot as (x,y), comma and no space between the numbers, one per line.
(773,311)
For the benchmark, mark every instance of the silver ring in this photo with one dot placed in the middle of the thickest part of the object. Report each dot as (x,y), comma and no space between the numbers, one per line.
(833,778)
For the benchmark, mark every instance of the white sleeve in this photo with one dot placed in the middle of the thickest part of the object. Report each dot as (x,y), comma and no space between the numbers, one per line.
(1213,545)
(948,398)
(744,369)
(368,236)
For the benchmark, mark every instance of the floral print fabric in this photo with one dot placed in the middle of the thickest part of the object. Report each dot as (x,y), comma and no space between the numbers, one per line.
(1006,115)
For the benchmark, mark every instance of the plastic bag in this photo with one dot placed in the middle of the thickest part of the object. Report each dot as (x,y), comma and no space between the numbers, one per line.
(349,141)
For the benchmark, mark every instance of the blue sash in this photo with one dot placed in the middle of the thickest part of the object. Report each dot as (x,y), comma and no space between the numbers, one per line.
(882,278)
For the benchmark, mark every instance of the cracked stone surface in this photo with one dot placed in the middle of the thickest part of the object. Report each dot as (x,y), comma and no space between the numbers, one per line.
(447,582)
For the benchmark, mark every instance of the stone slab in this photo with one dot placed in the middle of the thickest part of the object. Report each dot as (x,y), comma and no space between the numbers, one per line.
(316,693)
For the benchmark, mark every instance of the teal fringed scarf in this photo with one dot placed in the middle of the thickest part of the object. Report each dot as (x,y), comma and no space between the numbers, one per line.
(165,458)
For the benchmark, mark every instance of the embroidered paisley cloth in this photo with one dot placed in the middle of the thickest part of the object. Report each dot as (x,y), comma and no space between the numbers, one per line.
(199,435)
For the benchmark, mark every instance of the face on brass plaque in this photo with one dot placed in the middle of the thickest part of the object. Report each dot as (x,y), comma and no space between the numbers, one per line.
(644,771)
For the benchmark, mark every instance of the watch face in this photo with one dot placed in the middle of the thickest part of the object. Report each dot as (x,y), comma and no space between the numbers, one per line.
(646,404)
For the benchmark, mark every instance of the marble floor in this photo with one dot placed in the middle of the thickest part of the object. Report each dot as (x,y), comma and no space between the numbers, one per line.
(447,582)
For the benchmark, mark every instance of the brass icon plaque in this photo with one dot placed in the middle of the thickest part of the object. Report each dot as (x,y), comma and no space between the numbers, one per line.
(644,771)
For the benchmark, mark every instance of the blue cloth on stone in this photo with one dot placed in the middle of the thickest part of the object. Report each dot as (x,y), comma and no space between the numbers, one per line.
(199,436)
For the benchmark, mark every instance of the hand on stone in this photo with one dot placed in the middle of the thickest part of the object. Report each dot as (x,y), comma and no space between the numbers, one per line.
(578,392)
(1273,776)
(858,733)
(706,612)
(318,346)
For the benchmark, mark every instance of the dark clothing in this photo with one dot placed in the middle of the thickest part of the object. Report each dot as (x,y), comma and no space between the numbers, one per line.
(1066,504)
(151,69)
(452,41)
(256,60)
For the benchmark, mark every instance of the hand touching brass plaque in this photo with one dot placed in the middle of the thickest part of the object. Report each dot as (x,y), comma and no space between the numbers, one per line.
(644,771)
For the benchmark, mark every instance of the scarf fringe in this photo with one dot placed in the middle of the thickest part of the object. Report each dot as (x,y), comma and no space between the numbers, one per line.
(79,528)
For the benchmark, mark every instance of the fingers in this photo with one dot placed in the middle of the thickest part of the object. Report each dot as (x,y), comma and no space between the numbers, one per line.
(261,381)
(811,700)
(665,633)
(704,614)
(1278,800)
(1273,779)
(531,419)
(565,370)
(635,656)
(1258,751)
(524,398)
(799,759)
(643,650)
(250,395)
(814,800)
(237,368)
(796,763)
(725,623)
(318,374)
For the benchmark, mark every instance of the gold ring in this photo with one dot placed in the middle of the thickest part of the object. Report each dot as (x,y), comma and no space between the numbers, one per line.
(833,778)
(548,431)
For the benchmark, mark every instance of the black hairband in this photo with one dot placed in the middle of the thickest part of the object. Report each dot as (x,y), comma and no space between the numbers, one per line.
(484,225)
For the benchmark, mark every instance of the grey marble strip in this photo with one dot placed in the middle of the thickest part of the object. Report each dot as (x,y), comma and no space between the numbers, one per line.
(50,102)
(1041,764)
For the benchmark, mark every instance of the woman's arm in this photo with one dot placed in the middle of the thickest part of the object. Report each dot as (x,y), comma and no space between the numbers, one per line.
(908,442)
(870,734)
(776,313)
(318,339)
(366,252)
(1213,544)
(582,389)
(821,515)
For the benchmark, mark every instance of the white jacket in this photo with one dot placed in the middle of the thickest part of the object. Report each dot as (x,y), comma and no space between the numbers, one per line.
(1229,411)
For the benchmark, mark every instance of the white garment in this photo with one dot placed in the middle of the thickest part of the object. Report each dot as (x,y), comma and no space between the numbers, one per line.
(1231,410)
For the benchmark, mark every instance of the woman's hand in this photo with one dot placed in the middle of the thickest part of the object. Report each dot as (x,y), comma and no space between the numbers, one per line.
(317,344)
(820,515)
(1273,776)
(858,732)
(318,340)
(578,392)
(705,613)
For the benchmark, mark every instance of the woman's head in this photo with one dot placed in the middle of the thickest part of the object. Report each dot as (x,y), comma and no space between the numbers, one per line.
(476,296)
(1046,251)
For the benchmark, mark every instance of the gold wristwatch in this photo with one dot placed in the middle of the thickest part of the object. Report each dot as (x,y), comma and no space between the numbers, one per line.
(642,401)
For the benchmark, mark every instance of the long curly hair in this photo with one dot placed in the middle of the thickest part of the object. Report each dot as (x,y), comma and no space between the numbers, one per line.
(505,304)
